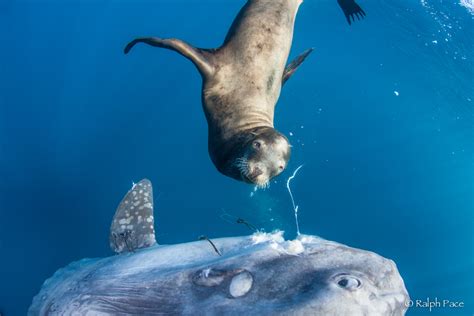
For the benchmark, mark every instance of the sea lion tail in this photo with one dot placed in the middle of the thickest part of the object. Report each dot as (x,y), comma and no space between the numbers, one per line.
(199,57)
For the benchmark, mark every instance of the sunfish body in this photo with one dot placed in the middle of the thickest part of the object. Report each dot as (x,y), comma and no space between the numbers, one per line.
(242,80)
(261,274)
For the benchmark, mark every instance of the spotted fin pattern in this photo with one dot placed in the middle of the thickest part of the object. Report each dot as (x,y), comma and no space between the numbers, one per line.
(133,225)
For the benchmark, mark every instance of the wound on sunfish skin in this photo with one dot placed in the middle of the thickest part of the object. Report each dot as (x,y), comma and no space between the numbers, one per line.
(133,223)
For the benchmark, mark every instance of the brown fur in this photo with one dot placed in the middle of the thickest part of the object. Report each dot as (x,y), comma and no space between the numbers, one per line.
(242,81)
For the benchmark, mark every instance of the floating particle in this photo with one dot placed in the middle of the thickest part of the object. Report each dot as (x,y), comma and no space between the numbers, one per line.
(396,93)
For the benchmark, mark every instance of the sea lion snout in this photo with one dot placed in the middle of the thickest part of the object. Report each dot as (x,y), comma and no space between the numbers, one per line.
(256,172)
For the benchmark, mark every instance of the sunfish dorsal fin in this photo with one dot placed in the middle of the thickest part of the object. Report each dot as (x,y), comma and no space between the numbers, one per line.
(133,224)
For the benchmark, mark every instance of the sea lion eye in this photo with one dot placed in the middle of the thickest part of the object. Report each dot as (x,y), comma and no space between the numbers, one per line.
(348,282)
(257,144)
(281,167)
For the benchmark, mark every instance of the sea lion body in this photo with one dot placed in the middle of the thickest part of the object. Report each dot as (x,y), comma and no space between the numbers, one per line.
(249,67)
(242,81)
(239,99)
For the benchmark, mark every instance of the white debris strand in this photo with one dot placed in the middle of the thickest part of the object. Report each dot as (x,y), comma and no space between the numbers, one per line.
(295,207)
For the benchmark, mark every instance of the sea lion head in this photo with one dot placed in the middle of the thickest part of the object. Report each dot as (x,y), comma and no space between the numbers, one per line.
(263,156)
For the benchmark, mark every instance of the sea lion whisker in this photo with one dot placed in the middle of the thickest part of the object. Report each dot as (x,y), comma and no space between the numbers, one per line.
(263,186)
(242,166)
(240,160)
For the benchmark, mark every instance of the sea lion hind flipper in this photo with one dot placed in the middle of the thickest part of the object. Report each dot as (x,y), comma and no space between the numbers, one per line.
(132,227)
(199,57)
(291,68)
(351,10)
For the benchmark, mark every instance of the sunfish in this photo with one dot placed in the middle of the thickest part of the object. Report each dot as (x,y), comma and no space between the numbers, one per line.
(261,274)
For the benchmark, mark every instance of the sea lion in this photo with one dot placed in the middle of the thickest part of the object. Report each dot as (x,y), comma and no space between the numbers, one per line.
(242,80)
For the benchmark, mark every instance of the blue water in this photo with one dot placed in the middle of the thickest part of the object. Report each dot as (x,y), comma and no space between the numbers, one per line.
(381,116)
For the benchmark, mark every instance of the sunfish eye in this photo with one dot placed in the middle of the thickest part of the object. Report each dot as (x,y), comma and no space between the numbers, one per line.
(348,282)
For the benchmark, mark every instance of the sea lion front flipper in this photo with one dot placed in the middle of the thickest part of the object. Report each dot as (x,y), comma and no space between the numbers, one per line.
(133,224)
(291,68)
(196,55)
(351,10)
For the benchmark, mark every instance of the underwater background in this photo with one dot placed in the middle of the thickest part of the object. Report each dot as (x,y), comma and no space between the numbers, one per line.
(381,115)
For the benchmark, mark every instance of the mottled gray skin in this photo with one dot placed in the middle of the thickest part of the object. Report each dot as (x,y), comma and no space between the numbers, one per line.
(256,275)
(241,85)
